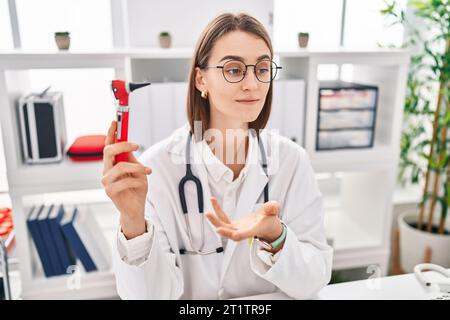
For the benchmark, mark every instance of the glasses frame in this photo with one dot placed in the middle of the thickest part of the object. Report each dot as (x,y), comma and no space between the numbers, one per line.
(246,68)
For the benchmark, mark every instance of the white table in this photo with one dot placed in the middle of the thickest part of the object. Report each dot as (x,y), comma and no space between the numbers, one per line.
(402,287)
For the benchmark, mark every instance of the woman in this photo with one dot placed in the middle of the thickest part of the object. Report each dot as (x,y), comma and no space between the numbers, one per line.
(263,230)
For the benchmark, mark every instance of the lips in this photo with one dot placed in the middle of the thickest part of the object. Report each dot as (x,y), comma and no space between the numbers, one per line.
(247,101)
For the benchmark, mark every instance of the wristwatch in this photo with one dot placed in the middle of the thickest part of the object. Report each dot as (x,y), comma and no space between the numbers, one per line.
(272,245)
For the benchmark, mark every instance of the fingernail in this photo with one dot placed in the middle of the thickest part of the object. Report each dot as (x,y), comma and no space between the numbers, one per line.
(148,170)
(135,146)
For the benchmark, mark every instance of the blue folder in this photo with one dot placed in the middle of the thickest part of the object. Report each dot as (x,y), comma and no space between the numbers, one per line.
(49,241)
(71,234)
(33,227)
(65,255)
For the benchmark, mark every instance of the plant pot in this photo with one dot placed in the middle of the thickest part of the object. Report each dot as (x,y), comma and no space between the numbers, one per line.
(63,42)
(303,38)
(414,243)
(165,41)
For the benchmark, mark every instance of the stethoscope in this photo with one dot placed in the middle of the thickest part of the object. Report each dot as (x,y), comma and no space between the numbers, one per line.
(189,176)
(442,285)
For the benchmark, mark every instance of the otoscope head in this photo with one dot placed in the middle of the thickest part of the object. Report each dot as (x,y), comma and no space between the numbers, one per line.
(121,89)
(136,85)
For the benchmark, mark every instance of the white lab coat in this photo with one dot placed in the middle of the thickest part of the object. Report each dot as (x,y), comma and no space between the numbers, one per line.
(302,268)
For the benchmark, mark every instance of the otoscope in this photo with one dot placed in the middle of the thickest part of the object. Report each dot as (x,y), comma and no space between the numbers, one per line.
(121,90)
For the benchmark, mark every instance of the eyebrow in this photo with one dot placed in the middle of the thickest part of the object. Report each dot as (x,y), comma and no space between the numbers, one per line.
(231,57)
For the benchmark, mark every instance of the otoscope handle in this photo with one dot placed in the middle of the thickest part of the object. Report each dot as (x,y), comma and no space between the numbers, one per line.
(122,131)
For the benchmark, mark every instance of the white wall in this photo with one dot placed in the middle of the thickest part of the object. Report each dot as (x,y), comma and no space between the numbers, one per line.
(366,27)
(5,27)
(185,19)
(321,18)
(89,23)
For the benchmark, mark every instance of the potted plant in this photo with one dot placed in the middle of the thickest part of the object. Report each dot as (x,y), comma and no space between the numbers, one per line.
(165,39)
(303,38)
(62,40)
(425,141)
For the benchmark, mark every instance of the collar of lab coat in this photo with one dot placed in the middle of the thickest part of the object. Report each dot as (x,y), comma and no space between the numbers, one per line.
(217,169)
(177,147)
(252,189)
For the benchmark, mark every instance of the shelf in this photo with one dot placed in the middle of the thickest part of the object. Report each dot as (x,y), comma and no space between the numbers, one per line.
(20,59)
(337,226)
(102,282)
(64,176)
(98,285)
(345,129)
(349,55)
(12,58)
(353,245)
(370,159)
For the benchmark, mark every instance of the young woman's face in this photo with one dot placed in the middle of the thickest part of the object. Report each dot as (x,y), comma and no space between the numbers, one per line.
(236,104)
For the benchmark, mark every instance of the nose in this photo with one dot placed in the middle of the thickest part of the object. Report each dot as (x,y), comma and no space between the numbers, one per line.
(250,81)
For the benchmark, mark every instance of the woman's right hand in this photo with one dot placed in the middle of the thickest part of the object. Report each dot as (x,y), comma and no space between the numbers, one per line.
(126,184)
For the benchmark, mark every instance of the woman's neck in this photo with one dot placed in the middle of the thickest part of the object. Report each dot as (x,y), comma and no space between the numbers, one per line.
(231,146)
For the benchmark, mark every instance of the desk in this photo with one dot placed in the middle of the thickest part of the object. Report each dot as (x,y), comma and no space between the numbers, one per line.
(402,287)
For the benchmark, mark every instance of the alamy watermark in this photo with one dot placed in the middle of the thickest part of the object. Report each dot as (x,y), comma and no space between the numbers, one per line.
(229,147)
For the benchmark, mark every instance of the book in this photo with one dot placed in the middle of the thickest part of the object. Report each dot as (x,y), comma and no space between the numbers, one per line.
(33,227)
(67,224)
(49,241)
(63,249)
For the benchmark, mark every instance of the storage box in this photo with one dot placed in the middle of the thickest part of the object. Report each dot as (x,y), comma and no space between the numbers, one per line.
(346,115)
(341,139)
(42,127)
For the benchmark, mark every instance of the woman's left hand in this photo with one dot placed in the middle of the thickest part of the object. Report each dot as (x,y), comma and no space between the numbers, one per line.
(264,223)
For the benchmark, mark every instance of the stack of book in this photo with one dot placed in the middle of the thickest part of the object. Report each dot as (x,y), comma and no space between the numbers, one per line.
(63,235)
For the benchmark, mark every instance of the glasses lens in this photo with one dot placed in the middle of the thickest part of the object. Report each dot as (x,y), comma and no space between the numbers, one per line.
(265,70)
(234,71)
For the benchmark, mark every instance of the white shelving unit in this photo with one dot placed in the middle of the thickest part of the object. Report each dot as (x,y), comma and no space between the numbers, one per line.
(45,183)
(358,202)
(359,220)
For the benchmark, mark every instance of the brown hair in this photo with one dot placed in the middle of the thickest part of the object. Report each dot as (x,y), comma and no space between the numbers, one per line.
(197,107)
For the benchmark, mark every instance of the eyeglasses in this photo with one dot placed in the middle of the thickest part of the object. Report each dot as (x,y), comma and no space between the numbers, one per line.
(234,70)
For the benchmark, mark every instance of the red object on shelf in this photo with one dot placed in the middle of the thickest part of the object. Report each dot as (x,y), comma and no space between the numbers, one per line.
(6,228)
(87,148)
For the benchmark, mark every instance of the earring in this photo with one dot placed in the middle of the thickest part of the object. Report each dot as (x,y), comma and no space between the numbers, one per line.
(204,94)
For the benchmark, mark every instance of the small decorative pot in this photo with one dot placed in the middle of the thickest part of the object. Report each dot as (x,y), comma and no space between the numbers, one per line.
(165,40)
(62,40)
(303,38)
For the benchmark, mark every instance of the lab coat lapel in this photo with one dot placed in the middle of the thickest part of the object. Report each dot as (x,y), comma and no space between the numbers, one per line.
(252,188)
